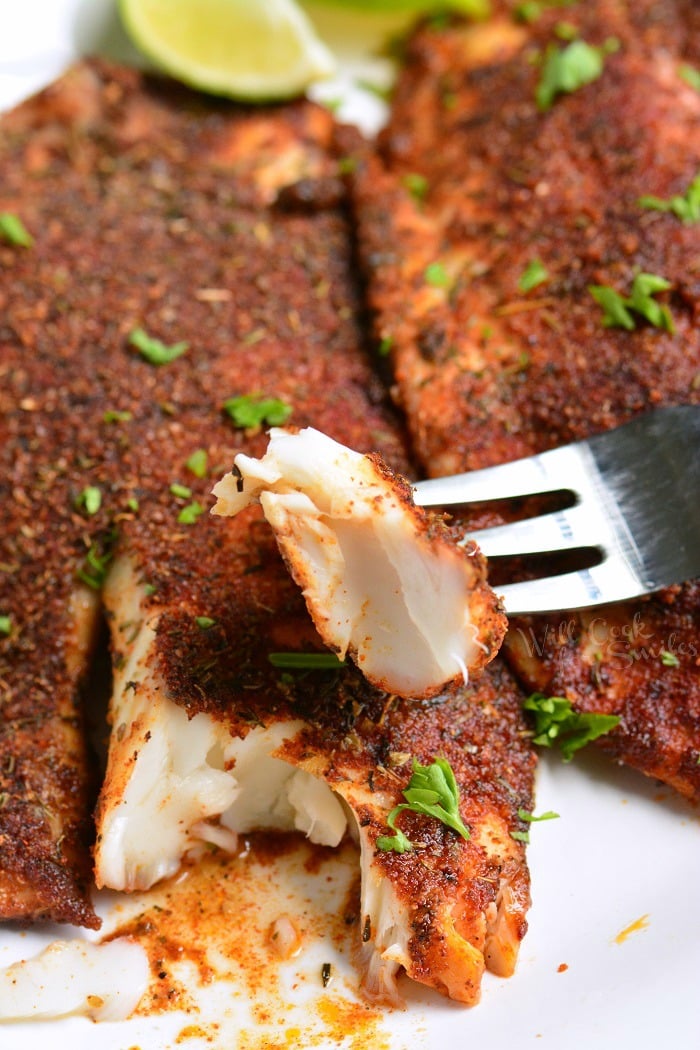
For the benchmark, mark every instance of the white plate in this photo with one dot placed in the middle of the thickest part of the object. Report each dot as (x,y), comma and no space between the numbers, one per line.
(613,952)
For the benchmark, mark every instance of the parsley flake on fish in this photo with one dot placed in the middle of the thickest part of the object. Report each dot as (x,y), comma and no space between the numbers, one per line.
(154,350)
(617,309)
(432,791)
(113,415)
(197,463)
(89,500)
(685,207)
(93,571)
(13,231)
(690,75)
(247,410)
(566,69)
(180,491)
(189,514)
(534,274)
(531,10)
(530,818)
(556,722)
(437,276)
(416,184)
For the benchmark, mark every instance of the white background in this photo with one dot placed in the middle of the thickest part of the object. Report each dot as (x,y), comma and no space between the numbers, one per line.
(622,848)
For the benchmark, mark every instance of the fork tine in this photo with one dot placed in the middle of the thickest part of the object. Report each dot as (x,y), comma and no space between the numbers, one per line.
(613,579)
(636,500)
(563,530)
(522,477)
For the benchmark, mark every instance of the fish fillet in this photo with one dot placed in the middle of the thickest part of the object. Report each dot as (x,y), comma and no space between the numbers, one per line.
(226,229)
(46,782)
(108,177)
(211,741)
(477,190)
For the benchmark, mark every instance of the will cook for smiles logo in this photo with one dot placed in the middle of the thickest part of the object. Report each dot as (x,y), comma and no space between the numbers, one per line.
(608,640)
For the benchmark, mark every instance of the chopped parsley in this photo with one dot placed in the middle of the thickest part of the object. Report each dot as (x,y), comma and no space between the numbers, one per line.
(251,411)
(180,491)
(530,818)
(615,307)
(556,722)
(565,69)
(204,622)
(644,286)
(437,276)
(432,791)
(520,836)
(153,350)
(89,500)
(113,415)
(534,274)
(618,310)
(347,165)
(384,348)
(93,571)
(5,626)
(197,463)
(530,10)
(189,514)
(132,504)
(417,185)
(685,207)
(690,75)
(448,98)
(13,230)
(566,30)
(306,661)
(669,659)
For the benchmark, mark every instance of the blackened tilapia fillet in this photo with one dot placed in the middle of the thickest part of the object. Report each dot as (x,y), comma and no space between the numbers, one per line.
(132,194)
(210,739)
(473,183)
(210,602)
(227,229)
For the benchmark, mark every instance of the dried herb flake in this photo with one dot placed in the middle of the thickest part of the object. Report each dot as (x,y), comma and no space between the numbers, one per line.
(154,350)
(13,231)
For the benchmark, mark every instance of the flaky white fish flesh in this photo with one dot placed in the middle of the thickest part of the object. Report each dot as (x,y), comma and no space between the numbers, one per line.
(102,981)
(382,579)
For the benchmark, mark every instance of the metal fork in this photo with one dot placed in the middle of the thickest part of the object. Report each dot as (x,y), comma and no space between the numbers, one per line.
(637,500)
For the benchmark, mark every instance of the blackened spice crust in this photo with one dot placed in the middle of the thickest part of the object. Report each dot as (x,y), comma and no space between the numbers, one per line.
(149,207)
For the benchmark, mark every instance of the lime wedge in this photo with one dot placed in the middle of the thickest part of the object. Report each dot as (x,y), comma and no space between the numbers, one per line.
(473,8)
(248,50)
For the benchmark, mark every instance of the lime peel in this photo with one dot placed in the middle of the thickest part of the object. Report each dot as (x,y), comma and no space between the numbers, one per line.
(471,8)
